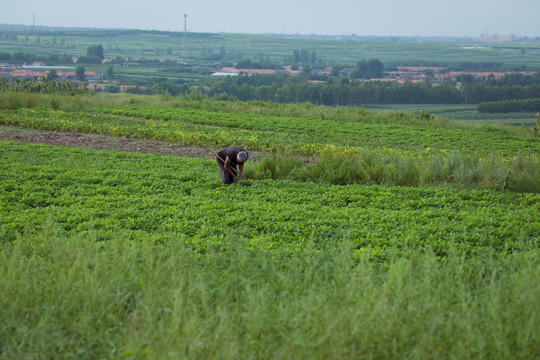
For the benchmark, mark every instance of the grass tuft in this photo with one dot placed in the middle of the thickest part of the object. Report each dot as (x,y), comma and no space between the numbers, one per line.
(519,174)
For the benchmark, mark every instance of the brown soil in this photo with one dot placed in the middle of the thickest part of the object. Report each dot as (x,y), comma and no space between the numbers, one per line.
(101,142)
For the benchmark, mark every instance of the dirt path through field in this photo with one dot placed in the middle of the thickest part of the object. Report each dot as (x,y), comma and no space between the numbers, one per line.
(102,142)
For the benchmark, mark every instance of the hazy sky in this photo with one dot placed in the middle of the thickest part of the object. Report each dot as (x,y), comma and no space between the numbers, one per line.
(361,17)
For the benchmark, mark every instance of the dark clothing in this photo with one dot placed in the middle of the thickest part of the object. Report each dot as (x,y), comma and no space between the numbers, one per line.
(231,152)
(226,178)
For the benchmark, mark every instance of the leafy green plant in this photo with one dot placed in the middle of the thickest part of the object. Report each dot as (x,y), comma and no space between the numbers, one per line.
(536,129)
(152,198)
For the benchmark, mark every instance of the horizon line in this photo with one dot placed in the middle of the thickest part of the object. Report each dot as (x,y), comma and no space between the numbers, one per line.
(472,37)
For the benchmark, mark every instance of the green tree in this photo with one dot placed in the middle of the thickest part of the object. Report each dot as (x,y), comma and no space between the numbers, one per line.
(4,56)
(368,69)
(79,73)
(95,51)
(312,58)
(304,56)
(466,79)
(296,56)
(112,88)
(10,36)
(109,75)
(52,75)
(336,71)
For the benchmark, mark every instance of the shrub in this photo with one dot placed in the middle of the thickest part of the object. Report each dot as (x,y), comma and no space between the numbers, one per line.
(523,175)
(55,103)
(409,173)
(276,166)
(371,169)
(438,169)
(337,168)
(12,100)
(536,129)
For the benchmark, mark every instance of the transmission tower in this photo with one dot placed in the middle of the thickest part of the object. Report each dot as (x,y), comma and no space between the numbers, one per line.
(184,50)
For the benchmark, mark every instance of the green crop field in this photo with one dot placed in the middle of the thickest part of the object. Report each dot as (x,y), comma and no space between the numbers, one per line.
(345,50)
(108,254)
(466,113)
(156,198)
(256,132)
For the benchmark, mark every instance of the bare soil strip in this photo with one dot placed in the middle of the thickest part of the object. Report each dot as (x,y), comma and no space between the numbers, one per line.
(103,142)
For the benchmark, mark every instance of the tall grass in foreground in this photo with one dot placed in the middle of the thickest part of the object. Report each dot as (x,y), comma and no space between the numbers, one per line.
(75,297)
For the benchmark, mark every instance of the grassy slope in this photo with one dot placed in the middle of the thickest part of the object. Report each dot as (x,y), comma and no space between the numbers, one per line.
(134,255)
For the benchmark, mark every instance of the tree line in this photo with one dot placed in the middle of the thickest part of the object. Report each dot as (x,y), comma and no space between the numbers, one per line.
(507,106)
(22,57)
(94,55)
(45,86)
(343,91)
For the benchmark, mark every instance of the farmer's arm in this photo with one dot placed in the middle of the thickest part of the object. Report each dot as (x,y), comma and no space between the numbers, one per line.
(241,169)
(229,169)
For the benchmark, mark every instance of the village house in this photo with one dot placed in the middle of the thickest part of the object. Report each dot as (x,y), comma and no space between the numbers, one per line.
(29,75)
(230,71)
(96,86)
(416,74)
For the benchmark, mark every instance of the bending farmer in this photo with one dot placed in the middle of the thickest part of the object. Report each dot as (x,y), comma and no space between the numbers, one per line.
(228,159)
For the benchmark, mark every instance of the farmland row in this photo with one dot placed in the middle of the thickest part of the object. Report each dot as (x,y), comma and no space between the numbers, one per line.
(159,199)
(346,133)
(297,135)
(368,162)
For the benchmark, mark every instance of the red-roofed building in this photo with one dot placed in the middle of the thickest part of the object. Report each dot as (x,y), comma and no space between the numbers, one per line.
(24,74)
(29,75)
(95,86)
